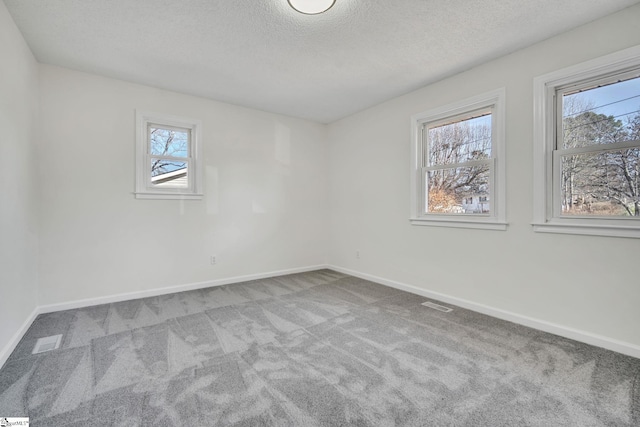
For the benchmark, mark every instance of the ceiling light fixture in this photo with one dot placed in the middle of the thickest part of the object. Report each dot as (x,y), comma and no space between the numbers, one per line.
(311,7)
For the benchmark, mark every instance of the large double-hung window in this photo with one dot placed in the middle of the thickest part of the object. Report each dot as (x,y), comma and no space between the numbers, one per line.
(588,148)
(459,164)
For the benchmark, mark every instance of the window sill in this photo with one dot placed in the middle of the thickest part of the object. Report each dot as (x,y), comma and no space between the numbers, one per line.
(460,223)
(169,196)
(631,231)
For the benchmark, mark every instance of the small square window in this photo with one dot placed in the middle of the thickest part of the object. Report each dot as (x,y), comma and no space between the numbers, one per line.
(168,157)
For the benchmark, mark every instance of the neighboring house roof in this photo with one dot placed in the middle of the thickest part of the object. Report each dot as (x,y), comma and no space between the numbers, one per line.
(176,178)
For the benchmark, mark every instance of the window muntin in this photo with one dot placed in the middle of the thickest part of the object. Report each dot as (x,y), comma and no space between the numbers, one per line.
(458,157)
(596,158)
(168,151)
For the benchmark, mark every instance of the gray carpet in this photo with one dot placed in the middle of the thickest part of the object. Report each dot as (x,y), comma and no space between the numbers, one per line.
(312,349)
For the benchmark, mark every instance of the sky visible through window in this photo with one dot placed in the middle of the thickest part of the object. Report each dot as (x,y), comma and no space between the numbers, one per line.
(620,100)
(167,142)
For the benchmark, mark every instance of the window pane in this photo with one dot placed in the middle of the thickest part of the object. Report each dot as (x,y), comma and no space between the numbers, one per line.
(602,115)
(169,173)
(460,141)
(459,190)
(168,142)
(601,184)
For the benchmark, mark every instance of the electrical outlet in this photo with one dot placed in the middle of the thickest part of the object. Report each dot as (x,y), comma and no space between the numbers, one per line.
(357,254)
(213,260)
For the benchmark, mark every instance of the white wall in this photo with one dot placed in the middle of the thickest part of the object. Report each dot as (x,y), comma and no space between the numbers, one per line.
(265,209)
(265,192)
(18,181)
(587,283)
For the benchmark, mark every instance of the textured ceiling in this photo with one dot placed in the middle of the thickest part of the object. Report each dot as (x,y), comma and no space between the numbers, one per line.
(264,55)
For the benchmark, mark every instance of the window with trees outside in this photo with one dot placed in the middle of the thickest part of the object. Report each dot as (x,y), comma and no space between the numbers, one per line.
(458,158)
(592,150)
(168,157)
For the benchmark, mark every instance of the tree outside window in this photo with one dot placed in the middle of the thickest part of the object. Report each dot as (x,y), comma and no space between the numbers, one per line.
(457,163)
(458,152)
(599,150)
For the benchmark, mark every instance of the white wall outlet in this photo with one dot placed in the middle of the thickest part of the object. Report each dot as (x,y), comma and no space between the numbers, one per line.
(357,254)
(213,260)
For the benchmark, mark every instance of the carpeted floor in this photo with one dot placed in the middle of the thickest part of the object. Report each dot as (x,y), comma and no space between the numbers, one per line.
(311,349)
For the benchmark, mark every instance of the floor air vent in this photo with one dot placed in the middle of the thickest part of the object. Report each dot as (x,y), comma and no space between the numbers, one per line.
(47,344)
(437,306)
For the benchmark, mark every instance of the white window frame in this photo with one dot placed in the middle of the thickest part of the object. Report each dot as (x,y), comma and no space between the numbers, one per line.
(144,188)
(496,220)
(546,215)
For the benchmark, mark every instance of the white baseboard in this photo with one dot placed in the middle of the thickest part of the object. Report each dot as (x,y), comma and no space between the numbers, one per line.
(172,289)
(542,325)
(575,334)
(15,339)
(8,349)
